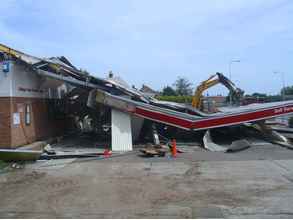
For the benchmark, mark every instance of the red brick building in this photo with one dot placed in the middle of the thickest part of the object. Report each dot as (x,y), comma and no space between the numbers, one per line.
(24,102)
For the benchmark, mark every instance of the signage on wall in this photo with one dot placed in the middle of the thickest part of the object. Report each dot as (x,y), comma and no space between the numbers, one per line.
(22,89)
(16,118)
(5,66)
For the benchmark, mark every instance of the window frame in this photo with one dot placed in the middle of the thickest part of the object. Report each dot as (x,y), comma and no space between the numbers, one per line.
(27,114)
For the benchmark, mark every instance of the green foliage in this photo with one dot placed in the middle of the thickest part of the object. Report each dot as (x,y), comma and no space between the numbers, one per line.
(183,87)
(168,91)
(287,90)
(183,93)
(264,97)
(256,94)
(2,164)
(178,99)
(274,98)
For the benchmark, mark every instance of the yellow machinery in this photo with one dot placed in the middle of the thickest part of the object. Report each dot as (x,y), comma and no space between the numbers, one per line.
(10,51)
(235,93)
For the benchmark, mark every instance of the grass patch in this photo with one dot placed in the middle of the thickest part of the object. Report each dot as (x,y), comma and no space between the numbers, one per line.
(2,164)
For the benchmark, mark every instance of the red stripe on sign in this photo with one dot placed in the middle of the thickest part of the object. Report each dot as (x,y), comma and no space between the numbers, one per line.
(252,116)
(214,122)
(164,118)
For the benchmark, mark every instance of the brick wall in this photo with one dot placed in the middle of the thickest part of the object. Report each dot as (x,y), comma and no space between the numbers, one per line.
(15,133)
(5,117)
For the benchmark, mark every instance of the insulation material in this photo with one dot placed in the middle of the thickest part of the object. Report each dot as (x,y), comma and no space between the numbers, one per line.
(121,131)
(239,145)
(210,145)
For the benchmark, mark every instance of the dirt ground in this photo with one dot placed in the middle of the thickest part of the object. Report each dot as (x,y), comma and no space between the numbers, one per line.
(255,183)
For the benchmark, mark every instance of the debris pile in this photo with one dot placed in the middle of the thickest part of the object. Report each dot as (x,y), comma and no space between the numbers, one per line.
(113,111)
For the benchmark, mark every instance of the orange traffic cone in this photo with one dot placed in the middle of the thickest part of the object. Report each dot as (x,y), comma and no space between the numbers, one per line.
(107,153)
(174,148)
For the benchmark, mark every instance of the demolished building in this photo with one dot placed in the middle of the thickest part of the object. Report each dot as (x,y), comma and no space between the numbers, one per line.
(42,97)
(25,98)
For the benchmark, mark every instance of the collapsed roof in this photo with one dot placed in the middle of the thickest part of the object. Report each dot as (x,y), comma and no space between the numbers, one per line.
(117,94)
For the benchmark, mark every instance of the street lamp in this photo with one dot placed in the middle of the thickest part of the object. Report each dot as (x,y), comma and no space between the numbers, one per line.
(283,84)
(230,74)
(282,90)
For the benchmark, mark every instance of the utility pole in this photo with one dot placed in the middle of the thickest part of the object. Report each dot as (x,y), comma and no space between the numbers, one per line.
(283,84)
(230,76)
(282,90)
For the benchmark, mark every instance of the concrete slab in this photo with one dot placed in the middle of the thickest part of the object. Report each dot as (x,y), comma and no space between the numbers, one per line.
(185,187)
(207,212)
(168,169)
(50,164)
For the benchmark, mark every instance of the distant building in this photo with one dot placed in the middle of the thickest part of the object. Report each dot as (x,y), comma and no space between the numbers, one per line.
(148,91)
(211,103)
(218,100)
(253,100)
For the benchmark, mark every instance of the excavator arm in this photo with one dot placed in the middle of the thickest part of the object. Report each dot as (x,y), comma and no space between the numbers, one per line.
(212,81)
(197,98)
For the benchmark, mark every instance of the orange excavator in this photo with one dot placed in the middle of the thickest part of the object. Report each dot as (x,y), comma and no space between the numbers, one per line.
(235,94)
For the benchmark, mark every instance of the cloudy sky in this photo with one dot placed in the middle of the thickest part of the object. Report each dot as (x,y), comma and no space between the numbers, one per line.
(155,41)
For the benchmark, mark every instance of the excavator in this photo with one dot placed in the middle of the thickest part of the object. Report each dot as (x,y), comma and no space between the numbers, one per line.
(235,93)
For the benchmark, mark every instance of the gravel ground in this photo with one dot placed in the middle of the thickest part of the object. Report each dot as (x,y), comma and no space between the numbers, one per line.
(256,183)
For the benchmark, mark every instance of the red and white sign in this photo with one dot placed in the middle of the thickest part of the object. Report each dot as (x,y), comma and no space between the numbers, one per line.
(215,121)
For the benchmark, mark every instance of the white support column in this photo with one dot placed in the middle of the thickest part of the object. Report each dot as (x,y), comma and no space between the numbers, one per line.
(121,131)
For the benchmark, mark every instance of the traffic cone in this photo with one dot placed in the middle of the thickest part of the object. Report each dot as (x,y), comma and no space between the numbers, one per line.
(107,153)
(174,148)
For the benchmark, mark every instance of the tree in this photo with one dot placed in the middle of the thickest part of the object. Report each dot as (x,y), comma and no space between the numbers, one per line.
(256,94)
(168,91)
(287,90)
(183,86)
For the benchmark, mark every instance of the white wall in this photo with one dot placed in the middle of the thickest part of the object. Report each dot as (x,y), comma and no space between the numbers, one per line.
(22,82)
(26,83)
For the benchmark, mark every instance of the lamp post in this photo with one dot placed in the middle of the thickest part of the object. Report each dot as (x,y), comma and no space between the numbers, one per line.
(282,90)
(230,75)
(283,84)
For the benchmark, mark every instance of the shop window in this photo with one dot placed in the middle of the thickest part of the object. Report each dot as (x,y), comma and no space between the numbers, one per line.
(27,114)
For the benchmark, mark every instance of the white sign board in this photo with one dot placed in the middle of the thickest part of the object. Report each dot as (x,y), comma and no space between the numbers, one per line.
(16,118)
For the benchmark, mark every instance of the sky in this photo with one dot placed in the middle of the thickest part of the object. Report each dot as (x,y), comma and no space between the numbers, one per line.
(154,42)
